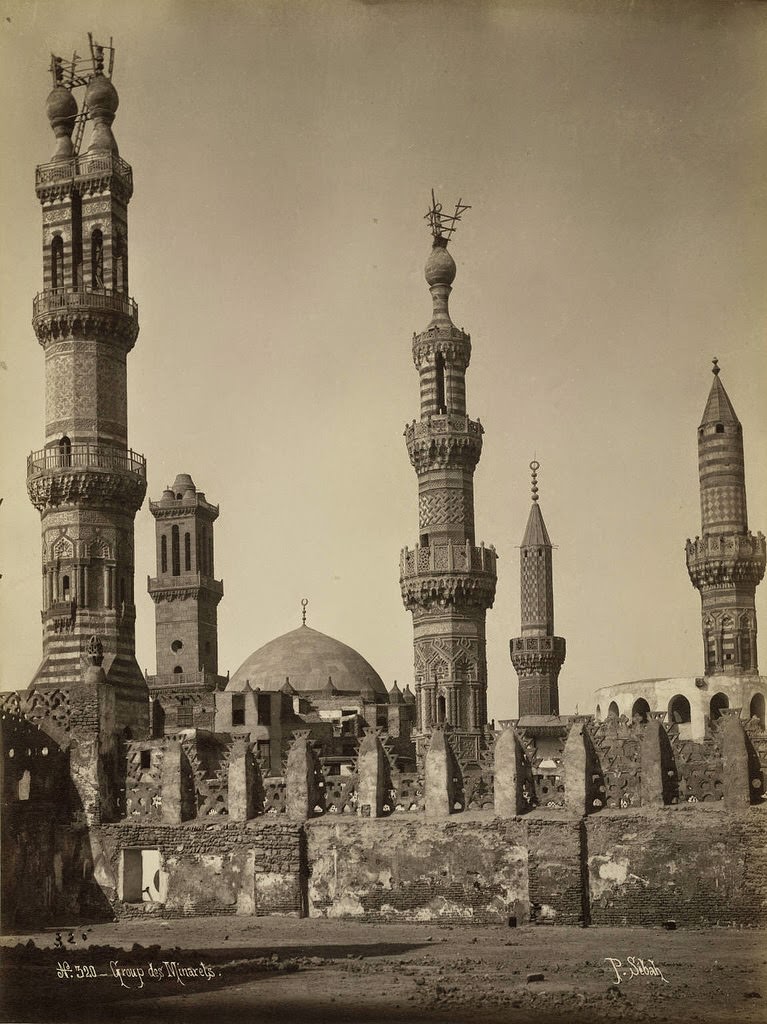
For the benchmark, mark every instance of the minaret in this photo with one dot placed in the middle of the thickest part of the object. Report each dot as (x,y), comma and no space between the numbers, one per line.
(447,582)
(86,483)
(185,591)
(537,655)
(726,562)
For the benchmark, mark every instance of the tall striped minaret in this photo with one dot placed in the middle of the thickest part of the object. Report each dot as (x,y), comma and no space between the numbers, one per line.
(447,581)
(726,562)
(86,482)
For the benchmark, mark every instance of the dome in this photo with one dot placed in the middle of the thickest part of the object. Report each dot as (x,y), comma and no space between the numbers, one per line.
(307,658)
(61,105)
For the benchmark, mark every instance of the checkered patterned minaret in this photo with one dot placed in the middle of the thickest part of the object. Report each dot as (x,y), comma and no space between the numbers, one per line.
(537,655)
(85,482)
(726,562)
(447,582)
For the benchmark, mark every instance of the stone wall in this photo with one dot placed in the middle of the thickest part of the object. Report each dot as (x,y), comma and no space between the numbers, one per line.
(394,869)
(695,865)
(250,867)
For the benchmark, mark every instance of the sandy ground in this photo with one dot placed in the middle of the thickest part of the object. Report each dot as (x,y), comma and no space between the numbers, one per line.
(281,969)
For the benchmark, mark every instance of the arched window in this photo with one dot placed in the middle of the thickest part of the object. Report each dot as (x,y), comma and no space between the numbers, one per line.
(756,708)
(119,264)
(612,711)
(598,714)
(720,428)
(441,708)
(57,262)
(65,451)
(679,709)
(718,702)
(640,710)
(178,670)
(163,554)
(97,259)
(175,553)
(439,367)
(187,553)
(185,714)
(65,589)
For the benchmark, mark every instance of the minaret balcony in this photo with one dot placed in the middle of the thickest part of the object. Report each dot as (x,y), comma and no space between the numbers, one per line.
(726,559)
(52,180)
(187,585)
(64,313)
(452,343)
(84,473)
(448,572)
(444,441)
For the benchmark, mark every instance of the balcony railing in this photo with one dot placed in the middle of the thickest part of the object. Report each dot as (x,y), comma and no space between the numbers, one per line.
(86,456)
(54,299)
(447,558)
(183,581)
(86,166)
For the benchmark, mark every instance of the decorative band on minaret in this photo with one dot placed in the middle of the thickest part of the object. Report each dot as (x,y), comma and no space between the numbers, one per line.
(537,655)
(447,581)
(726,562)
(86,483)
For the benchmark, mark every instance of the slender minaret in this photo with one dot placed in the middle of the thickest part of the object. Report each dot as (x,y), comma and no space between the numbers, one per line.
(726,562)
(447,582)
(86,483)
(537,655)
(185,591)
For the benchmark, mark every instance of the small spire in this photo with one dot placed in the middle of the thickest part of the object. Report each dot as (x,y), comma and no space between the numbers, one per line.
(534,467)
(304,603)
(715,369)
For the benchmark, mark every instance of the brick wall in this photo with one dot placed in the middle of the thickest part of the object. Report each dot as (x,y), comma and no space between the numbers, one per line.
(395,869)
(696,865)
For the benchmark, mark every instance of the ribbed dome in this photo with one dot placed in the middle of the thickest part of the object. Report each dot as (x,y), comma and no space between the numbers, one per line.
(307,658)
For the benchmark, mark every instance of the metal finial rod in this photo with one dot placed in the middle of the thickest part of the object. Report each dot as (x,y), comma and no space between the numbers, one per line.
(715,370)
(443,224)
(304,603)
(534,467)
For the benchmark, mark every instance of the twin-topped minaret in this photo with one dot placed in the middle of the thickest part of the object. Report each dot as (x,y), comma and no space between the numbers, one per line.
(447,581)
(537,655)
(86,482)
(727,561)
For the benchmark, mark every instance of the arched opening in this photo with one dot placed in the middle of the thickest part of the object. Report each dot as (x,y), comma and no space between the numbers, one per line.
(187,553)
(640,710)
(238,709)
(66,592)
(679,709)
(175,553)
(598,714)
(441,708)
(97,259)
(163,554)
(612,710)
(65,451)
(720,428)
(178,670)
(439,367)
(25,784)
(719,702)
(57,262)
(756,708)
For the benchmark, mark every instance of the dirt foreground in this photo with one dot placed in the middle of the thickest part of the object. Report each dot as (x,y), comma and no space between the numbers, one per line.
(274,969)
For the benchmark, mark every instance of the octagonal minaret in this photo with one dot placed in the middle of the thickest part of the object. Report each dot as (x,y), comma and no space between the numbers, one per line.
(86,482)
(727,561)
(447,581)
(537,655)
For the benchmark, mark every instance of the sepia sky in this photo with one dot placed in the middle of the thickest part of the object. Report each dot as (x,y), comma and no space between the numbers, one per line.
(614,157)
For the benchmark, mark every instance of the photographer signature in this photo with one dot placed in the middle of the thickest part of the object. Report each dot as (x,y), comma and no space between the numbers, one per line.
(635,967)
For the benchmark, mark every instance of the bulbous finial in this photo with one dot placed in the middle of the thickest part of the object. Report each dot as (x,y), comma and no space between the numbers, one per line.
(102,102)
(534,467)
(304,603)
(716,369)
(61,109)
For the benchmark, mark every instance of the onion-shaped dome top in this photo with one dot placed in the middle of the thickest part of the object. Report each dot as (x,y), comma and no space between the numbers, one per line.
(395,694)
(440,266)
(307,657)
(101,97)
(61,106)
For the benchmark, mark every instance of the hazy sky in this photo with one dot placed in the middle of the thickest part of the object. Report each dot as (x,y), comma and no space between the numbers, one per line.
(614,156)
